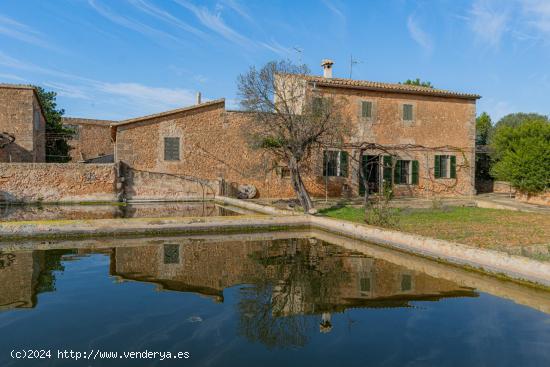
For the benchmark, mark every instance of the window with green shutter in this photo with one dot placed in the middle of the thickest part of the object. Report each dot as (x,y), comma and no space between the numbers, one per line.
(387,169)
(335,163)
(445,166)
(415,170)
(406,172)
(408,112)
(366,109)
(171,149)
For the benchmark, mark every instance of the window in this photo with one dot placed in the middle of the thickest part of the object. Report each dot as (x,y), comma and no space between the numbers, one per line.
(408,112)
(406,172)
(406,282)
(285,172)
(365,284)
(335,163)
(445,166)
(171,149)
(317,104)
(171,254)
(366,109)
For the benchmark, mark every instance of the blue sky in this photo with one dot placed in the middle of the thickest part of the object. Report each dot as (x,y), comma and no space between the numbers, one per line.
(125,58)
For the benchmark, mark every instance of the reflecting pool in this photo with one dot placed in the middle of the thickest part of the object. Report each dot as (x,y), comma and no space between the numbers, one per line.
(239,300)
(110,211)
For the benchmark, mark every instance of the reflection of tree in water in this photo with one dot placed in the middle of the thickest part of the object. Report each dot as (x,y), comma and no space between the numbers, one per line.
(52,261)
(299,277)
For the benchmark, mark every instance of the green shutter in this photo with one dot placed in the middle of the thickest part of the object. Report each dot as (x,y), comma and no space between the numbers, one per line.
(387,169)
(453,166)
(397,172)
(366,109)
(344,163)
(415,167)
(408,112)
(437,167)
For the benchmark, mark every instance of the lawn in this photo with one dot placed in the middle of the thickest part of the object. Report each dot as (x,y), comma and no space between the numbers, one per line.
(490,228)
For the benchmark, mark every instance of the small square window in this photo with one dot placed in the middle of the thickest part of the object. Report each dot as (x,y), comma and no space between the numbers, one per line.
(171,149)
(171,254)
(408,112)
(285,172)
(365,284)
(406,282)
(366,109)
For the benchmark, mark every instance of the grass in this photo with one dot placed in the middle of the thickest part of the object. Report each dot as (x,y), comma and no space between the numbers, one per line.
(489,228)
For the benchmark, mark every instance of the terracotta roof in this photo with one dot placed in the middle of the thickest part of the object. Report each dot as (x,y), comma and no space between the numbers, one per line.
(388,87)
(168,113)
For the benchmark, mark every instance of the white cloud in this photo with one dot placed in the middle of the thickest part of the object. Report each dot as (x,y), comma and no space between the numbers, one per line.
(21,32)
(215,22)
(11,77)
(538,14)
(134,25)
(334,9)
(489,21)
(117,98)
(159,13)
(418,34)
(163,98)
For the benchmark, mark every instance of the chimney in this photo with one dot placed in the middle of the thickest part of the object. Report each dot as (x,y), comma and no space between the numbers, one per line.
(198,97)
(327,68)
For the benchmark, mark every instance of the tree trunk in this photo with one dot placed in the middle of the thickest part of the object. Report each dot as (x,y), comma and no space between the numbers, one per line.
(299,187)
(364,181)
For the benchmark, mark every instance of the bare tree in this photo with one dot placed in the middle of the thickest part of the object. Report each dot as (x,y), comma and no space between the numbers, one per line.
(289,119)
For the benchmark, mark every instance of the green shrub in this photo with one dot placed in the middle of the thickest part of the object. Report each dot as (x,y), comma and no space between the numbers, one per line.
(522,155)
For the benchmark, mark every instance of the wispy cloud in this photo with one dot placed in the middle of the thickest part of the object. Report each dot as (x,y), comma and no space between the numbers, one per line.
(137,97)
(238,8)
(216,23)
(488,21)
(418,34)
(134,25)
(11,77)
(22,32)
(538,14)
(165,16)
(335,9)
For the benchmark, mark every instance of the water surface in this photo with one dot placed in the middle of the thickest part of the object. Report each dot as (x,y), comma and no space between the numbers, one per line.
(246,301)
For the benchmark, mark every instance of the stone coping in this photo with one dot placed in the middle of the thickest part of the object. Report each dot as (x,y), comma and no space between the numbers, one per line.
(490,261)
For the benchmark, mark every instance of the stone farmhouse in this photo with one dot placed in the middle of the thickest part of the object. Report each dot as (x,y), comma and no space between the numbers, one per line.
(22,119)
(428,135)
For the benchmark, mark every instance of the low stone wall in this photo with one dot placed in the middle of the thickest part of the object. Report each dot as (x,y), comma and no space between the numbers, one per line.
(539,199)
(57,182)
(144,185)
(503,187)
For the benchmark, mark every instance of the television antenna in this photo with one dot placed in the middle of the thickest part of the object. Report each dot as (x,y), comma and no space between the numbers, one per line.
(352,62)
(298,51)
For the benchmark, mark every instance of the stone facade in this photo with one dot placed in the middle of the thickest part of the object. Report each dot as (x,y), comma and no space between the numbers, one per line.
(57,182)
(21,116)
(92,138)
(211,144)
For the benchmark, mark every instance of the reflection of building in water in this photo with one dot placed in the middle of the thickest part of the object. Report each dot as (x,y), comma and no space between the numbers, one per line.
(305,276)
(23,275)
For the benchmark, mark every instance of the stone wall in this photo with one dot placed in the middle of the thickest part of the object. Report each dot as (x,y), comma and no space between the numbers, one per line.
(57,182)
(539,199)
(92,138)
(21,116)
(147,185)
(213,146)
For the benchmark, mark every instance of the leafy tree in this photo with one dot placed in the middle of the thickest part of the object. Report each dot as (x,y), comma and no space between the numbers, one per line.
(516,119)
(484,126)
(418,82)
(287,122)
(57,147)
(522,155)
